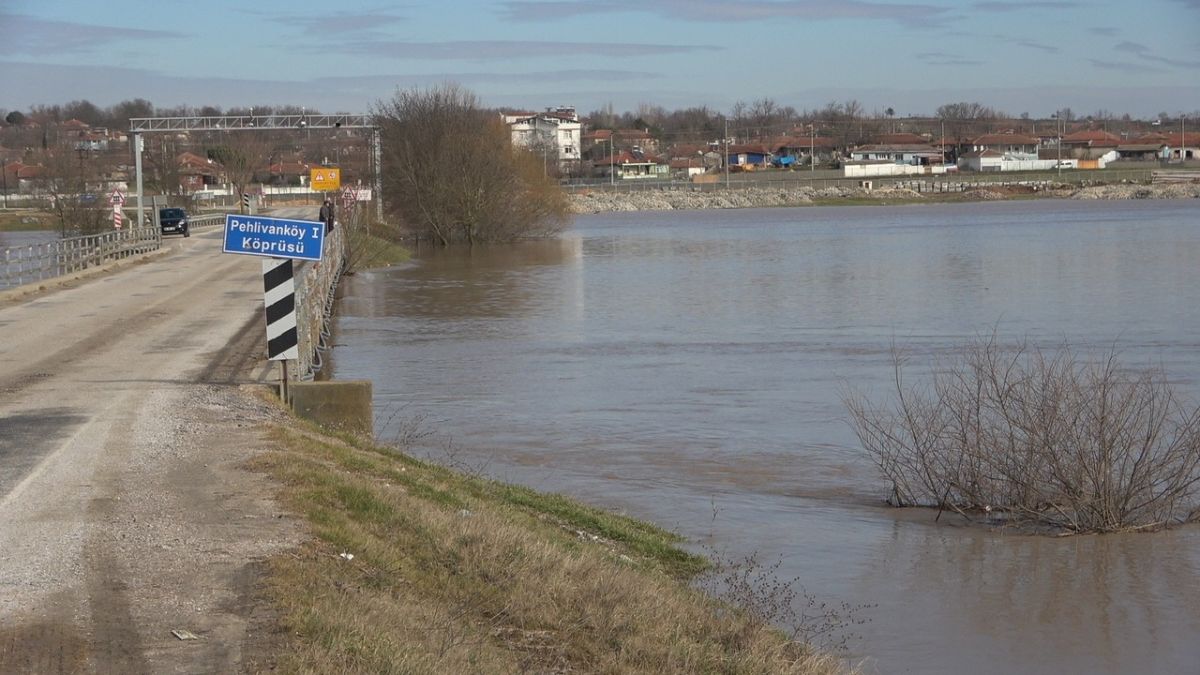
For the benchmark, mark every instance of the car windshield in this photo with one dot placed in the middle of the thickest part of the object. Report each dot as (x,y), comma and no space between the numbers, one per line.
(171,213)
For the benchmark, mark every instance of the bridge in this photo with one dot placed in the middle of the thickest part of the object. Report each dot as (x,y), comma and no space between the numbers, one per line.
(121,442)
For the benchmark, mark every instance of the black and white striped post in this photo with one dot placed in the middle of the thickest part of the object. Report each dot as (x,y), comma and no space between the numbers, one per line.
(279,298)
(279,241)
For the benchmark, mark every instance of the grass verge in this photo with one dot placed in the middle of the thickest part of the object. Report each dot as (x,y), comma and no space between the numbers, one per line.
(14,220)
(455,574)
(371,248)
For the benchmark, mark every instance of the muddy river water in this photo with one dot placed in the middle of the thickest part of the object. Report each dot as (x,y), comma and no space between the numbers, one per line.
(688,368)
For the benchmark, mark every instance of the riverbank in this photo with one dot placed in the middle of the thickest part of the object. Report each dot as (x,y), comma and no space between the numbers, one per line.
(601,201)
(414,567)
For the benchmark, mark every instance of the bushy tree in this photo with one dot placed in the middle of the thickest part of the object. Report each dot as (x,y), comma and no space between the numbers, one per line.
(452,174)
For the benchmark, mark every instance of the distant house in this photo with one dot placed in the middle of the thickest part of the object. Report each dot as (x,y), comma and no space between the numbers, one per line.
(288,172)
(31,179)
(91,141)
(598,143)
(1089,144)
(982,160)
(628,164)
(1149,147)
(636,139)
(556,129)
(1013,146)
(802,148)
(916,155)
(198,173)
(1184,146)
(687,167)
(748,155)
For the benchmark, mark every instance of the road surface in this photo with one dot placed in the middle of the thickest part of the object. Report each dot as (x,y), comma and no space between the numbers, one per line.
(124,513)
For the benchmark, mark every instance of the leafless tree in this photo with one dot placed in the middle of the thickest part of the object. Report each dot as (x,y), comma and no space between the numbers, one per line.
(452,173)
(1078,444)
(967,111)
(73,182)
(242,153)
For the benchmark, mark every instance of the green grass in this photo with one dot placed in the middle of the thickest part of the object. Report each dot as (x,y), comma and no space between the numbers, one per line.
(374,249)
(18,220)
(452,573)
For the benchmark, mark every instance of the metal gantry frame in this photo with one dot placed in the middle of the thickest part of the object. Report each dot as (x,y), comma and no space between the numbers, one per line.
(232,123)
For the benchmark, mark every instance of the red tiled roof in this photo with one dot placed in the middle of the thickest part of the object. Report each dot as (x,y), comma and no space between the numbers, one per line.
(748,148)
(1092,137)
(1005,139)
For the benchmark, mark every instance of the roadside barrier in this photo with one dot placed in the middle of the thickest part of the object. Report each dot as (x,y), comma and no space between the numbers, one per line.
(45,260)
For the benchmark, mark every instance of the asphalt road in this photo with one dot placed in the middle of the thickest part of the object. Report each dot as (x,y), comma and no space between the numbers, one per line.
(123,508)
(83,358)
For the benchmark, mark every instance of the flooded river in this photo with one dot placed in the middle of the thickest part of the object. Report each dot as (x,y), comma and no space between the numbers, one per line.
(688,368)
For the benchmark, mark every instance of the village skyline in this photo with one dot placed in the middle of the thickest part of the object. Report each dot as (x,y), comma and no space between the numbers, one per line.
(1032,57)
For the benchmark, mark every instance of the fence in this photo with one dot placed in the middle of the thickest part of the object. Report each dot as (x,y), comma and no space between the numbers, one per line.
(206,220)
(44,260)
(316,285)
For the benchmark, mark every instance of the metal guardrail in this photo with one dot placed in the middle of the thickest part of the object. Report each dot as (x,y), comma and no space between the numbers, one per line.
(316,285)
(206,220)
(35,262)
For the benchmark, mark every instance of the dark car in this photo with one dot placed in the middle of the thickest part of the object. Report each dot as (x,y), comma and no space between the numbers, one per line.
(174,221)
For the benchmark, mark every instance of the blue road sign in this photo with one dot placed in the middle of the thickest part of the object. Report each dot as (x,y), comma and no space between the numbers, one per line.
(274,237)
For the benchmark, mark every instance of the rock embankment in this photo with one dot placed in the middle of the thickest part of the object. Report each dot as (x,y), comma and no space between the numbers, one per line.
(602,201)
(668,200)
(1128,191)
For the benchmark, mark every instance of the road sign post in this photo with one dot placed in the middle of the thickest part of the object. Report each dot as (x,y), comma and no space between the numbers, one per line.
(274,237)
(280,242)
(325,178)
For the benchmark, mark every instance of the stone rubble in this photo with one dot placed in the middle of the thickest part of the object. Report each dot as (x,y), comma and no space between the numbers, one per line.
(603,201)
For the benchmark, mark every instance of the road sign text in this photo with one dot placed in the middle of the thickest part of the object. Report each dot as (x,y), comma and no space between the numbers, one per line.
(274,237)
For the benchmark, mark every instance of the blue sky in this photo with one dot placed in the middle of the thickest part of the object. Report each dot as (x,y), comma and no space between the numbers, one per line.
(1126,56)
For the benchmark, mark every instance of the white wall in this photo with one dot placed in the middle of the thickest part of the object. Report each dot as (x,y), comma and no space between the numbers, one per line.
(864,170)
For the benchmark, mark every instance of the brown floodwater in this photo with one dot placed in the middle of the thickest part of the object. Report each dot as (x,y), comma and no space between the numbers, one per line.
(688,368)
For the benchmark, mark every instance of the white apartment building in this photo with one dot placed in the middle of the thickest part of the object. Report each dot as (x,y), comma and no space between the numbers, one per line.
(556,129)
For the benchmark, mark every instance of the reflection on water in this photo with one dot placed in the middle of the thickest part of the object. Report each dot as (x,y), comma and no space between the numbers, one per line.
(673,364)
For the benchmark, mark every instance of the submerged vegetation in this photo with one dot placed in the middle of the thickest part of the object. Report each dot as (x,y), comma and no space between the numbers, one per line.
(1049,439)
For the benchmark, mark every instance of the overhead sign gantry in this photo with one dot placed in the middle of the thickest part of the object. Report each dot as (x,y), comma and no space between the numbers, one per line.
(233,123)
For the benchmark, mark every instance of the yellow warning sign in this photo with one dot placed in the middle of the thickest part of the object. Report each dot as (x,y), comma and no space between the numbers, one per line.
(326,178)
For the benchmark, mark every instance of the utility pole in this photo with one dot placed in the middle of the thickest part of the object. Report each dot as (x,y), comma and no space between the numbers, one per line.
(725,159)
(813,149)
(943,142)
(612,177)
